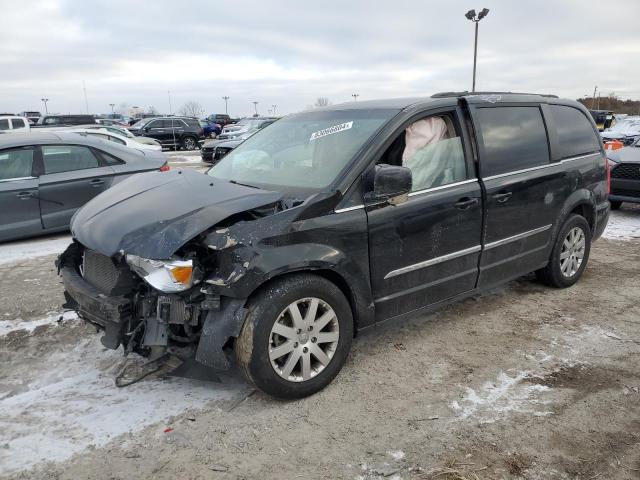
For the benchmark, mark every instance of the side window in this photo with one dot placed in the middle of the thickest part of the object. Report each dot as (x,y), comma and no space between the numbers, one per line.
(155,124)
(514,139)
(17,123)
(51,120)
(432,149)
(575,133)
(4,124)
(66,158)
(16,163)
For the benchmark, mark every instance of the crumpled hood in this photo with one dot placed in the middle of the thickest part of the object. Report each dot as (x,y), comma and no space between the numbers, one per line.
(153,214)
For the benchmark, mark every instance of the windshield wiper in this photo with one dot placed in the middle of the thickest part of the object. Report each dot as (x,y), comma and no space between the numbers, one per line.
(243,184)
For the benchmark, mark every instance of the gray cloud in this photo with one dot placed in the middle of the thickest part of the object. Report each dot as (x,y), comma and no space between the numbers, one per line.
(288,53)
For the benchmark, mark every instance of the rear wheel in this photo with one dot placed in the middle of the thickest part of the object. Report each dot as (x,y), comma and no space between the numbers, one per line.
(296,336)
(615,205)
(189,143)
(569,255)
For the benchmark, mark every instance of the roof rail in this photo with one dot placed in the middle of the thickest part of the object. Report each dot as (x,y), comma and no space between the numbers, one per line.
(465,93)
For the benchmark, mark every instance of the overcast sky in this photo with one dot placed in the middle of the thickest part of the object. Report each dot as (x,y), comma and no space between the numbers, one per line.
(289,53)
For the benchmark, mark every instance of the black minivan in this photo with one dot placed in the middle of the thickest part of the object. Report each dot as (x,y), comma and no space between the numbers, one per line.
(336,219)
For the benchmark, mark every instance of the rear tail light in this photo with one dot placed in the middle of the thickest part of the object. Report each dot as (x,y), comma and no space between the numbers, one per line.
(165,168)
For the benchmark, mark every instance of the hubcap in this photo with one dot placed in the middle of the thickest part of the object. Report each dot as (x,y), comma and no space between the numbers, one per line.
(189,143)
(303,339)
(572,252)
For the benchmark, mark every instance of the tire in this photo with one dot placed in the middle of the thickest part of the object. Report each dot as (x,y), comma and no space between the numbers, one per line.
(562,275)
(615,205)
(258,345)
(189,143)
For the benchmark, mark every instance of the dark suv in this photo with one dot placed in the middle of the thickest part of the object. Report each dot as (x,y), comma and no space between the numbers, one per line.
(333,220)
(221,119)
(175,132)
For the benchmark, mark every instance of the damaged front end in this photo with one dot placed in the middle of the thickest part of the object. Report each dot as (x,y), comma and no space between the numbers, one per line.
(190,305)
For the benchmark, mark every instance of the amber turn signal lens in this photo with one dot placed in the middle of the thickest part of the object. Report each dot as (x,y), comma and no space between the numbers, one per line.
(182,274)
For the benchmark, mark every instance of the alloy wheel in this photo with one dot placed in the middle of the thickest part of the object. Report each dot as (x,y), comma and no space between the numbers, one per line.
(189,143)
(303,339)
(572,252)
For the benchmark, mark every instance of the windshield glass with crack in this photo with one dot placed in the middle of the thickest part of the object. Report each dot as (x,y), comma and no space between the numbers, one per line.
(307,150)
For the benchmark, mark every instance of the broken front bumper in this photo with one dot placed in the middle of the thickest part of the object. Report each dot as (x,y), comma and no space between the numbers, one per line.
(109,313)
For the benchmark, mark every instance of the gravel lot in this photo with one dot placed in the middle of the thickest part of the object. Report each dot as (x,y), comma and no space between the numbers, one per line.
(524,382)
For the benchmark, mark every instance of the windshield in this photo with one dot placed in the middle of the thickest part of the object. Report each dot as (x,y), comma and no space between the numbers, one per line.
(141,123)
(307,150)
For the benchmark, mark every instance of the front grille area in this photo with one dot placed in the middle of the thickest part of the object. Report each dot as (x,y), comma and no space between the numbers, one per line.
(103,273)
(221,152)
(627,171)
(625,192)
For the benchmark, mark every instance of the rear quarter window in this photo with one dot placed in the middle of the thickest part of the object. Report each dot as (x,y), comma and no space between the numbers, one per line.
(576,135)
(514,138)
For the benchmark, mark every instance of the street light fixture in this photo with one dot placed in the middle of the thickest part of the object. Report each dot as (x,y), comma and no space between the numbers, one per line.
(226,99)
(274,109)
(45,100)
(471,15)
(255,105)
(355,96)
(112,105)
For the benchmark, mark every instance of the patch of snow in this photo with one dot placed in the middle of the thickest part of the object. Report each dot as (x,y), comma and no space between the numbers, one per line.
(494,399)
(397,455)
(8,326)
(70,402)
(14,252)
(623,225)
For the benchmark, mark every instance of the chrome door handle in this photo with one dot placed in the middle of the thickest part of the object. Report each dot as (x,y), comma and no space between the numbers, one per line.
(465,203)
(502,196)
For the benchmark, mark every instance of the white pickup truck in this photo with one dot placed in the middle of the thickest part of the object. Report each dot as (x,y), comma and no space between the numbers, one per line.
(14,124)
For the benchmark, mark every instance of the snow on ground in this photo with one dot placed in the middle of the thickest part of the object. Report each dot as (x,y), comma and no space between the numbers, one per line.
(8,326)
(69,402)
(624,224)
(184,156)
(13,252)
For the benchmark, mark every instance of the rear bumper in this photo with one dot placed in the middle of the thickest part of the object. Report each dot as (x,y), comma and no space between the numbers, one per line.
(602,218)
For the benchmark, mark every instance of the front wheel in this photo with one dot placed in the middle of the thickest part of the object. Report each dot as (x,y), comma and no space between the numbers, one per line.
(296,336)
(569,255)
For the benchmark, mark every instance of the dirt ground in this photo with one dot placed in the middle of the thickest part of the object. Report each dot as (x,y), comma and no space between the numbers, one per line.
(524,382)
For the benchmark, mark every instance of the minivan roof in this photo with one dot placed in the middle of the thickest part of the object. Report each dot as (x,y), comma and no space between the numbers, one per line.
(445,99)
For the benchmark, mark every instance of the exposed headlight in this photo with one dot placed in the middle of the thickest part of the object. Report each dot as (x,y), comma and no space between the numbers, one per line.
(167,276)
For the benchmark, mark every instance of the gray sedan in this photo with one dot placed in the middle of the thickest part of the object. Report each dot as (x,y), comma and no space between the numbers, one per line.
(45,177)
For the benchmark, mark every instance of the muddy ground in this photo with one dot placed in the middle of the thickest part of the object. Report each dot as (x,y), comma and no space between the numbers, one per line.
(524,382)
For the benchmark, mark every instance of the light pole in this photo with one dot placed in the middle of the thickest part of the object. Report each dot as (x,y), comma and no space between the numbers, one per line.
(45,100)
(255,105)
(112,105)
(593,99)
(355,96)
(226,99)
(274,109)
(471,15)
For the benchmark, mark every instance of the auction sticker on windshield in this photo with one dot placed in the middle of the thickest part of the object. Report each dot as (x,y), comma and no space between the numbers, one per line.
(331,130)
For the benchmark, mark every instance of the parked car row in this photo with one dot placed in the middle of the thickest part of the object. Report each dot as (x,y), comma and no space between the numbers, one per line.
(231,136)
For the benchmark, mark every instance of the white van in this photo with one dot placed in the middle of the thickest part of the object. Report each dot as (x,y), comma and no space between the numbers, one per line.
(14,124)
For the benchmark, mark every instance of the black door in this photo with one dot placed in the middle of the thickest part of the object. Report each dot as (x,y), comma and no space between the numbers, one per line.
(426,250)
(19,212)
(72,175)
(524,191)
(160,130)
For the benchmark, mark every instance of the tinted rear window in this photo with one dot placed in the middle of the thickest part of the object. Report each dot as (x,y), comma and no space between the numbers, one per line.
(576,135)
(514,138)
(4,124)
(18,123)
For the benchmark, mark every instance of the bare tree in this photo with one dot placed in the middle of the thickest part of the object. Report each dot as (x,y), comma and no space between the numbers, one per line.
(152,110)
(322,102)
(191,109)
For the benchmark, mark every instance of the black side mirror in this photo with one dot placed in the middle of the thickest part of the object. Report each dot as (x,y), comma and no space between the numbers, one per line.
(391,183)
